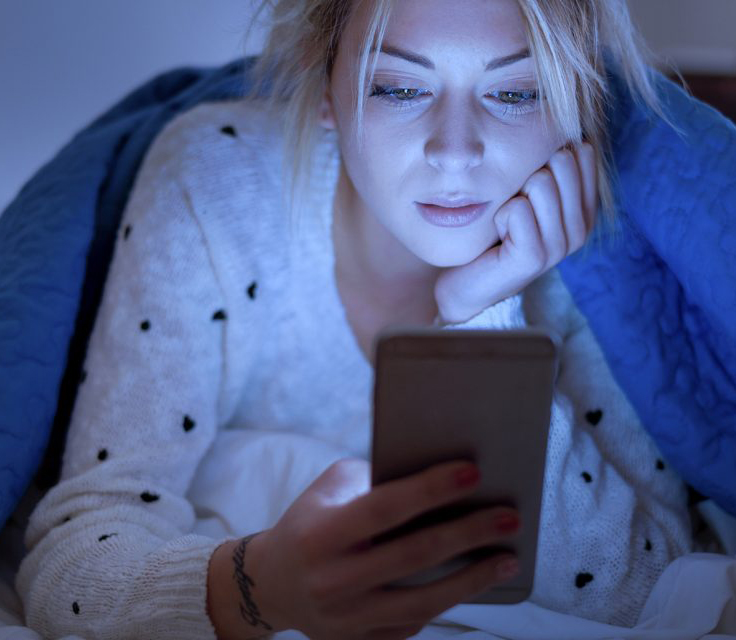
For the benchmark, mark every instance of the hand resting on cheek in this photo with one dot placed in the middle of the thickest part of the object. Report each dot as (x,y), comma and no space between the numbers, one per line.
(549,219)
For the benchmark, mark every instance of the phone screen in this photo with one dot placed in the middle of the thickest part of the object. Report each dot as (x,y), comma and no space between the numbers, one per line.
(484,396)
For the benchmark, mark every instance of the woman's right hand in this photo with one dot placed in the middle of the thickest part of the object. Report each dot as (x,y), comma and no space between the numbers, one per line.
(317,570)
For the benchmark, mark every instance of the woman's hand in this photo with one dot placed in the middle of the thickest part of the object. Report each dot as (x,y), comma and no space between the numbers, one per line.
(548,220)
(318,571)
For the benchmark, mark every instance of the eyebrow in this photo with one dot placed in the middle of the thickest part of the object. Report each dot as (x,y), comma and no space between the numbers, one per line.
(494,64)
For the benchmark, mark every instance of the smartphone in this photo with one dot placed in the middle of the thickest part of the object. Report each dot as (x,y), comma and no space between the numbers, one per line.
(484,396)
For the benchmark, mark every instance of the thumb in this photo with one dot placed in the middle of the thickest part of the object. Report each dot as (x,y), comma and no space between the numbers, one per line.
(343,481)
(501,219)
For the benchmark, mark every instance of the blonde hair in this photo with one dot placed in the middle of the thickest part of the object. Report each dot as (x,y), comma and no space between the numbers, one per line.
(571,41)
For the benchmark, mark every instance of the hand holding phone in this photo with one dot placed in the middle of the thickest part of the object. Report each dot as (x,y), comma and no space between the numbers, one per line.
(319,569)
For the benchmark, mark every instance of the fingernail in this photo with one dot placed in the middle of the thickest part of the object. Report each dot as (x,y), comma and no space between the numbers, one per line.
(508,568)
(467,476)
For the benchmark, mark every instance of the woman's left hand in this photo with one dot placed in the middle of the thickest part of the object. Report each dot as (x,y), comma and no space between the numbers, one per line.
(549,219)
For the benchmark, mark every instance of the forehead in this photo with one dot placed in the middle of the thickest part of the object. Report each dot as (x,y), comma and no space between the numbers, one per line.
(445,26)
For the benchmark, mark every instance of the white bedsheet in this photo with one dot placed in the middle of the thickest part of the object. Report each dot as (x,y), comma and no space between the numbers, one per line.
(249,478)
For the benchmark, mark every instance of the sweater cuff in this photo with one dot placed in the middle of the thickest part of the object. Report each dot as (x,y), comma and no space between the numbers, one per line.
(179,591)
(506,314)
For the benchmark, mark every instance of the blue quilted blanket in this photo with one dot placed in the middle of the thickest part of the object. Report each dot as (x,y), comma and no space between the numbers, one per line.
(661,296)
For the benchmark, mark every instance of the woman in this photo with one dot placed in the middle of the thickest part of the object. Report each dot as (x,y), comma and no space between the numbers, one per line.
(443,189)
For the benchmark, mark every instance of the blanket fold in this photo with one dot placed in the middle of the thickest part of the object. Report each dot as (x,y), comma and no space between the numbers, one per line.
(661,295)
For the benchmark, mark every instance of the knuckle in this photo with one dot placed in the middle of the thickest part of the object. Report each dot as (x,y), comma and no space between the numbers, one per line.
(346,467)
(541,181)
(536,258)
(335,471)
(563,158)
(559,251)
(589,163)
(338,466)
(520,205)
(577,231)
(576,240)
(587,152)
(341,465)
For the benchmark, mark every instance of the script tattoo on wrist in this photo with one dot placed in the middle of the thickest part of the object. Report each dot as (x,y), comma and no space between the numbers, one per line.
(248,608)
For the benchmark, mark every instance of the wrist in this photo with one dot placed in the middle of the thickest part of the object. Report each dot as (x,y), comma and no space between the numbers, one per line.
(504,314)
(238,601)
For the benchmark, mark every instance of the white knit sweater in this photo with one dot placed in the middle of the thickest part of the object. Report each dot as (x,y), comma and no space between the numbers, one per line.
(215,317)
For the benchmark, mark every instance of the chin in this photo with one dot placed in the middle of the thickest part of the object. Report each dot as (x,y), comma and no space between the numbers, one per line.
(449,256)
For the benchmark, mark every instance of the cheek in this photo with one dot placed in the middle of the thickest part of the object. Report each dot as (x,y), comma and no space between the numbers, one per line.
(378,166)
(518,155)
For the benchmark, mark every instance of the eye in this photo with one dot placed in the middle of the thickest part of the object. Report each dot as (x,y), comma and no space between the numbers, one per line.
(404,94)
(399,97)
(515,102)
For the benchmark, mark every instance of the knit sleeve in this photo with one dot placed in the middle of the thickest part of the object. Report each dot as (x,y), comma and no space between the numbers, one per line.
(111,553)
(505,314)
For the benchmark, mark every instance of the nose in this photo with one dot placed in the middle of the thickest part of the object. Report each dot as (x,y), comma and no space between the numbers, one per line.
(454,145)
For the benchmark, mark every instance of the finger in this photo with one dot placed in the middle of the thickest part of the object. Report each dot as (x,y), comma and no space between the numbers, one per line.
(393,503)
(542,192)
(522,254)
(426,548)
(501,217)
(588,165)
(564,167)
(503,270)
(516,223)
(342,481)
(423,603)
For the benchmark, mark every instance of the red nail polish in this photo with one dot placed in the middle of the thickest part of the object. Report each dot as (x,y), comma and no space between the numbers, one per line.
(507,524)
(508,568)
(467,476)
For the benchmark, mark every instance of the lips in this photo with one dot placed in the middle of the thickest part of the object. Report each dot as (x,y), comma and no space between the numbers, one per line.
(465,213)
(453,203)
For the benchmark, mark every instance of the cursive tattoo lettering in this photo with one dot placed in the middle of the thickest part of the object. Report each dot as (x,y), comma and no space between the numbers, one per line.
(248,608)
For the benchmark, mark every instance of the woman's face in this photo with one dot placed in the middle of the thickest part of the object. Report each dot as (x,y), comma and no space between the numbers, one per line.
(452,120)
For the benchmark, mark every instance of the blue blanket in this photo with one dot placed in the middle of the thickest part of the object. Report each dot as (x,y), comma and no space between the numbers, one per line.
(661,298)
